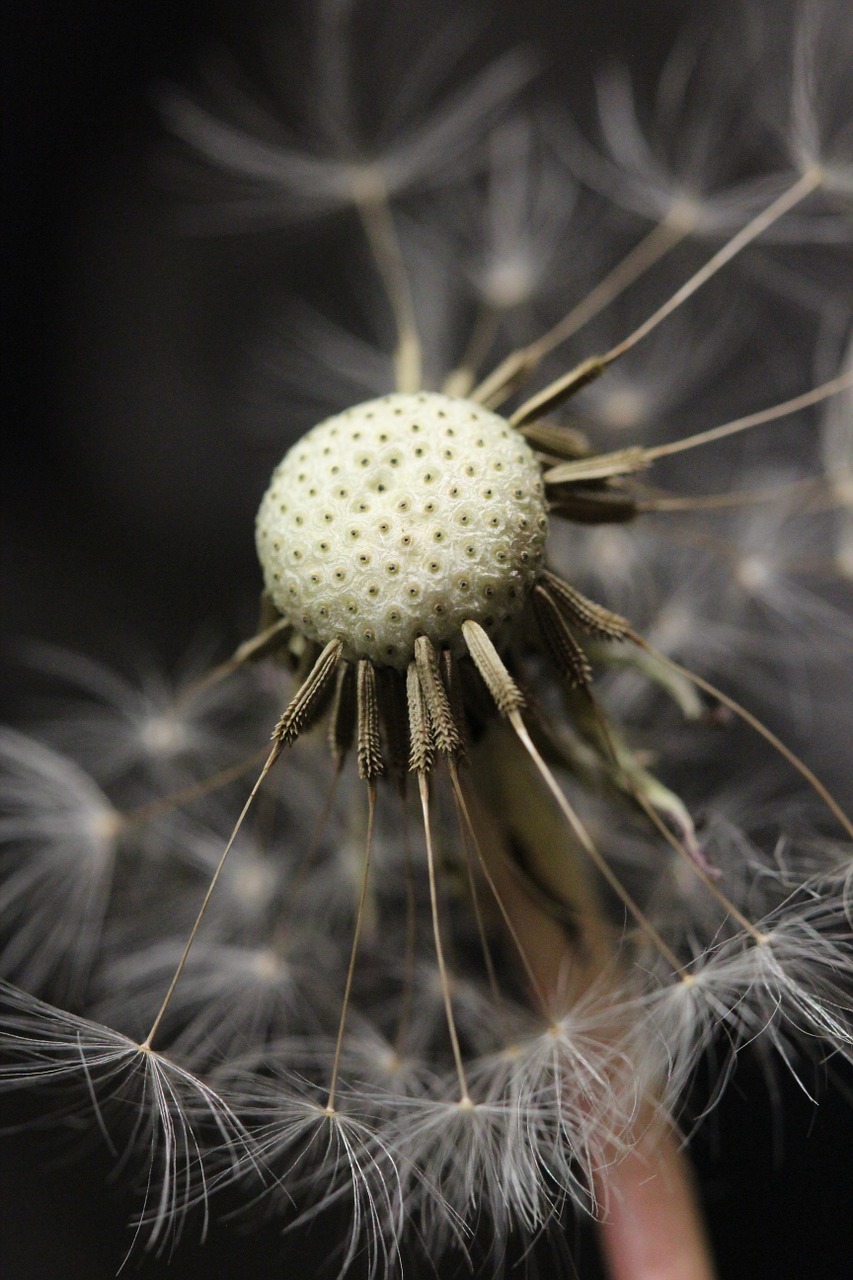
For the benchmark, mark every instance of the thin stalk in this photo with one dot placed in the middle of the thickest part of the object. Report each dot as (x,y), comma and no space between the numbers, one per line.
(760,728)
(465,815)
(376,218)
(570,383)
(362,898)
(195,791)
(464,1096)
(809,182)
(520,364)
(270,761)
(585,840)
(804,401)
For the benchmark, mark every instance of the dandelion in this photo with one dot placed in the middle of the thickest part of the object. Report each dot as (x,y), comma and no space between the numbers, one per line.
(445,970)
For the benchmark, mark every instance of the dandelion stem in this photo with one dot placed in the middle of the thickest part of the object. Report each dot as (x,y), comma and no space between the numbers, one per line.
(652,1228)
(270,761)
(423,788)
(545,884)
(375,213)
(362,898)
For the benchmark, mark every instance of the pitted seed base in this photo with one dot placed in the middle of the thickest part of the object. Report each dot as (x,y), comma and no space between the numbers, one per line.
(403,517)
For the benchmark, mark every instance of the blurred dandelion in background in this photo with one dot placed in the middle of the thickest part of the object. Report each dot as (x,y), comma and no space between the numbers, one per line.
(554,653)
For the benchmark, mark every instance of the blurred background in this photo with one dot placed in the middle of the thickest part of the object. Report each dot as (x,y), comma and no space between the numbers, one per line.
(130,484)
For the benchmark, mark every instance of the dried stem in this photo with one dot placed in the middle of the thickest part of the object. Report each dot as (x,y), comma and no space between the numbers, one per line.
(464,1097)
(377,220)
(362,898)
(271,759)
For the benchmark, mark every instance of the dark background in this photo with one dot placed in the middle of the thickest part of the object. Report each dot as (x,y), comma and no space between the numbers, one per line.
(129,492)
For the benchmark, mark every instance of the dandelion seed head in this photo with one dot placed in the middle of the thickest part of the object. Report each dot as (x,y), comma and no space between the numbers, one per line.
(417,1051)
(401,517)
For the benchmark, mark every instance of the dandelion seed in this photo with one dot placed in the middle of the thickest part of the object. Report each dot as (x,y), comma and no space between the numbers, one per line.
(327,1157)
(113,726)
(685,177)
(141,1101)
(282,180)
(819,120)
(60,834)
